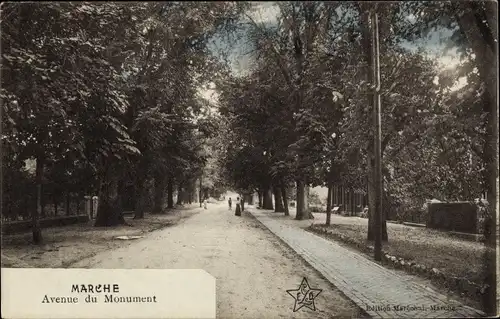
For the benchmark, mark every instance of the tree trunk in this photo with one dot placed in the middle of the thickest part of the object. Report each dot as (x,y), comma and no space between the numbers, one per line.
(42,204)
(194,193)
(385,214)
(479,23)
(35,217)
(299,205)
(349,201)
(159,196)
(302,201)
(109,212)
(54,199)
(170,192)
(490,153)
(141,194)
(190,191)
(66,208)
(284,196)
(200,191)
(344,201)
(278,201)
(242,201)
(329,204)
(267,198)
(261,199)
(309,214)
(334,196)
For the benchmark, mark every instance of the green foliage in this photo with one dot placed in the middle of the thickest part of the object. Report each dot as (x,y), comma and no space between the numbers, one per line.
(305,103)
(89,84)
(107,92)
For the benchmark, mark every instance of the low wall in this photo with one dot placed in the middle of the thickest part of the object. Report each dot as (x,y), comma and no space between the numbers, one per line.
(457,216)
(15,227)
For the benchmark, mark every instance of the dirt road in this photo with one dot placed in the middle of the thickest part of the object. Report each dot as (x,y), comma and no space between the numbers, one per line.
(253,269)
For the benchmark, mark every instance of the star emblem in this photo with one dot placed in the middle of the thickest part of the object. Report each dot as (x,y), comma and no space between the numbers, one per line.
(304,296)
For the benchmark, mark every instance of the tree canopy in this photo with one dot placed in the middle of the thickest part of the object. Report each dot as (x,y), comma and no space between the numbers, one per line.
(108,95)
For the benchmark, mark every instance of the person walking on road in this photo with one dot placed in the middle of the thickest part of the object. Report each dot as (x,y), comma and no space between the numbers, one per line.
(205,203)
(238,207)
(230,203)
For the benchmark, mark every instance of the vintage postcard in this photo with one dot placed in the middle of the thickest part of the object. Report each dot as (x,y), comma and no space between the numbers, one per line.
(242,159)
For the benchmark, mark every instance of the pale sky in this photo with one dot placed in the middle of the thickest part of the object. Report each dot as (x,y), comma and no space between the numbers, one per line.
(265,12)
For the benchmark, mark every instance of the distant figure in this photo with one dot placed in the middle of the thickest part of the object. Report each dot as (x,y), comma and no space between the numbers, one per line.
(238,207)
(230,203)
(205,203)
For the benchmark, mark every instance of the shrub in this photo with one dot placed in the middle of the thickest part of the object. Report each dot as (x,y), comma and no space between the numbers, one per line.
(314,198)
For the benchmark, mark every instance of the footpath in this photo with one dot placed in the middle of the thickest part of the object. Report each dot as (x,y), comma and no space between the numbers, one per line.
(380,292)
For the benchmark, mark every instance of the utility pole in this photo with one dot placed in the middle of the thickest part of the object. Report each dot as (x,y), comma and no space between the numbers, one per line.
(377,137)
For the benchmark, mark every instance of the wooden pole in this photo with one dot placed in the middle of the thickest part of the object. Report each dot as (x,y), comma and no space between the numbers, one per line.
(377,139)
